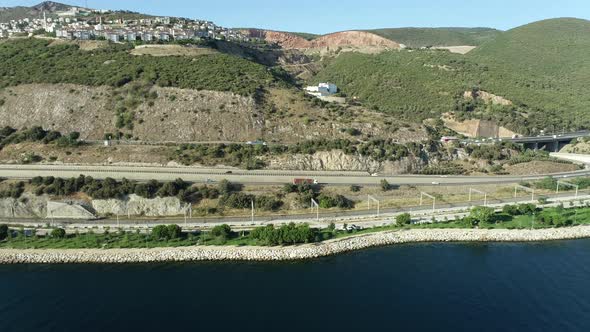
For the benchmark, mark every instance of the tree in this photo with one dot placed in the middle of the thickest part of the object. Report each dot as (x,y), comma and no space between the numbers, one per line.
(482,214)
(3,231)
(403,219)
(58,233)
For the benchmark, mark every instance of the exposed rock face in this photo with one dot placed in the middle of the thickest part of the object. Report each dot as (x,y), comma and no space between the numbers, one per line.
(487,97)
(339,161)
(284,39)
(476,128)
(28,206)
(353,38)
(339,39)
(68,210)
(177,115)
(136,205)
(31,206)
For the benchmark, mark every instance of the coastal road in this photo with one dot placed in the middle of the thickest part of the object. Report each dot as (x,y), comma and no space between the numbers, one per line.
(204,175)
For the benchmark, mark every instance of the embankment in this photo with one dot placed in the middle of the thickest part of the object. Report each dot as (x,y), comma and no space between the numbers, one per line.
(308,251)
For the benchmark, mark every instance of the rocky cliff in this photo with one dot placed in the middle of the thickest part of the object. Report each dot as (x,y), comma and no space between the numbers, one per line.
(339,161)
(339,39)
(138,206)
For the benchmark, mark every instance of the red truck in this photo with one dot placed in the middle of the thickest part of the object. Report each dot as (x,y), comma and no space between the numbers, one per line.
(305,181)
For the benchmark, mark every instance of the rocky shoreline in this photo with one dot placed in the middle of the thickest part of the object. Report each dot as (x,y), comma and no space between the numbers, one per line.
(300,252)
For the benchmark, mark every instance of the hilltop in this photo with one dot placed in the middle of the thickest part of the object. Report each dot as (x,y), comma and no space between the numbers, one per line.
(22,12)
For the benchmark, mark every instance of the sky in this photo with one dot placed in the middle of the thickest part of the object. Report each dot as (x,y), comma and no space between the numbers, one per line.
(324,16)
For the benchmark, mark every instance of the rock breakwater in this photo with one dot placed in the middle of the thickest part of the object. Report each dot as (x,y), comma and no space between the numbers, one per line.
(307,251)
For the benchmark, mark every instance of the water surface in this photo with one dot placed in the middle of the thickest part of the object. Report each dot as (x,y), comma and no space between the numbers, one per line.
(442,287)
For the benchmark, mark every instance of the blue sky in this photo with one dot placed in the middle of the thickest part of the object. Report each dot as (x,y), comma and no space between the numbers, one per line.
(325,16)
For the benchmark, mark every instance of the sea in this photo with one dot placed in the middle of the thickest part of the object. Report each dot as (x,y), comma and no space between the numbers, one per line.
(418,287)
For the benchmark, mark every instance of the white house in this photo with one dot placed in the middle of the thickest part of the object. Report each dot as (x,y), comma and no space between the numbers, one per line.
(322,90)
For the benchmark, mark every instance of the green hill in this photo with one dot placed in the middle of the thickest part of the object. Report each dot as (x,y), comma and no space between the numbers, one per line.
(542,68)
(545,65)
(424,37)
(36,61)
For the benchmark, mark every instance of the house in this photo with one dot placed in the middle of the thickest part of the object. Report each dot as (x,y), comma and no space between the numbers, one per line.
(322,90)
(131,36)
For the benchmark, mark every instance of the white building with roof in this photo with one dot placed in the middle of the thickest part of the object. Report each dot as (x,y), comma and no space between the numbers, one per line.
(322,90)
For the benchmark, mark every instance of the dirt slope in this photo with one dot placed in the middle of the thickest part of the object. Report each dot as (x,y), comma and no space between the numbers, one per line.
(339,39)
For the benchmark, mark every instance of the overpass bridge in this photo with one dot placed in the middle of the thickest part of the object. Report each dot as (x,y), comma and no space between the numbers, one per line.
(552,143)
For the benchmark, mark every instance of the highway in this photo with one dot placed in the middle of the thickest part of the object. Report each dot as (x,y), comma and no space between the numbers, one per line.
(211,175)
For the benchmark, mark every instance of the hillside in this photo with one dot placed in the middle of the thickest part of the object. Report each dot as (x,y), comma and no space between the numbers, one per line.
(37,61)
(541,67)
(544,65)
(426,37)
(21,12)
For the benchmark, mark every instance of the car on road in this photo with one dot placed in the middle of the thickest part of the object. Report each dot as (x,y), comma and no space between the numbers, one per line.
(229,172)
(435,183)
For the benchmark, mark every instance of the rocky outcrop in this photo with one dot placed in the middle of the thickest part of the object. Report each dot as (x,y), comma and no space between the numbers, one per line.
(487,97)
(308,251)
(138,206)
(339,39)
(69,210)
(337,160)
(27,206)
(353,38)
(476,128)
(284,39)
(176,115)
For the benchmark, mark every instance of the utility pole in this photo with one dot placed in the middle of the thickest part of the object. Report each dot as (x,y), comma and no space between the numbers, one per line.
(485,195)
(252,201)
(532,191)
(371,198)
(317,206)
(422,194)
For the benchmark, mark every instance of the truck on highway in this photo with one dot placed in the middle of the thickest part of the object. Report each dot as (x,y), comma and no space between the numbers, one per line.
(305,181)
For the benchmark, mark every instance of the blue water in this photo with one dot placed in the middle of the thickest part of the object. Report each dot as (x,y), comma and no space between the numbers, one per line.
(442,287)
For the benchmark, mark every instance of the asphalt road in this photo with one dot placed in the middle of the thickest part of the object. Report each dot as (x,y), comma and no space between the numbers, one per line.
(204,175)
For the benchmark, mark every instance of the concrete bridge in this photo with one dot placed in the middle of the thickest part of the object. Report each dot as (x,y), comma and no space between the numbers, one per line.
(551,143)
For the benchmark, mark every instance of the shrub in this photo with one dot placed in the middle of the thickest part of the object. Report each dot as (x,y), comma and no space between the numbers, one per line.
(482,214)
(3,231)
(403,219)
(58,233)
(223,231)
(385,186)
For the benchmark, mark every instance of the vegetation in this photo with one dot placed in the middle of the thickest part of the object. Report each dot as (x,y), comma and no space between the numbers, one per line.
(111,188)
(166,232)
(3,231)
(33,61)
(10,135)
(426,37)
(403,219)
(540,67)
(248,156)
(285,235)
